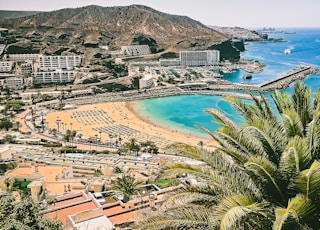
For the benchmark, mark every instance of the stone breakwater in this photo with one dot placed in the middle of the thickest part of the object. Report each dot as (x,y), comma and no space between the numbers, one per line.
(285,80)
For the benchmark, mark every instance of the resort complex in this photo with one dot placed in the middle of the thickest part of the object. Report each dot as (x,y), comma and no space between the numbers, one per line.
(79,151)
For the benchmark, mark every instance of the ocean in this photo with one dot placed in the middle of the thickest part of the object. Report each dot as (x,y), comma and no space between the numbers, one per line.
(186,113)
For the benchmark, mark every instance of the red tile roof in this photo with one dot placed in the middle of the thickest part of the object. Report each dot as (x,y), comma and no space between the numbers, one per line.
(62,214)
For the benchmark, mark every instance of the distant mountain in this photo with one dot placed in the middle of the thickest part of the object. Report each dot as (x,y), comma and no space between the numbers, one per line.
(239,33)
(94,26)
(16,14)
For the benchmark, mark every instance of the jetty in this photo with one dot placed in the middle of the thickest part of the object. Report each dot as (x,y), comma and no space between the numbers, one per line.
(283,81)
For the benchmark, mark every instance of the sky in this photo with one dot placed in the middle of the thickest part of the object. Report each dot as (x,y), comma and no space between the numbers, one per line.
(242,13)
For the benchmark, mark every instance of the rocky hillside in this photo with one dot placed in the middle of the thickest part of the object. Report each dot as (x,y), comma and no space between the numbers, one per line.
(94,26)
(6,14)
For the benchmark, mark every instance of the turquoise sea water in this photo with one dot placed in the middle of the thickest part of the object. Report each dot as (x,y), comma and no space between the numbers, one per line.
(184,113)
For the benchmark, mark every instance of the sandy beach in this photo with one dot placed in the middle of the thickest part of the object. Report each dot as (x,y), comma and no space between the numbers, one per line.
(120,119)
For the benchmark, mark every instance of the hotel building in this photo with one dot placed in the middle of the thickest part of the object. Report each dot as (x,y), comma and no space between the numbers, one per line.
(136,50)
(53,77)
(146,81)
(199,58)
(21,57)
(6,66)
(12,82)
(47,63)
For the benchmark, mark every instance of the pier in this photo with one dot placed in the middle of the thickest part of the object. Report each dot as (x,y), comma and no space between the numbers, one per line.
(284,81)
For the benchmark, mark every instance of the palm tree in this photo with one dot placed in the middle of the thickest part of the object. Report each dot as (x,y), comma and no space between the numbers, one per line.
(127,185)
(264,174)
(61,99)
(54,132)
(68,135)
(133,145)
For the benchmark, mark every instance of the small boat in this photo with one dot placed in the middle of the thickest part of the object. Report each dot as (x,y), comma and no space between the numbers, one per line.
(247,76)
(287,51)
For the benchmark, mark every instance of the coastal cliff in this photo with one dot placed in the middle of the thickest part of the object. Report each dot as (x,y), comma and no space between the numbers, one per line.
(228,50)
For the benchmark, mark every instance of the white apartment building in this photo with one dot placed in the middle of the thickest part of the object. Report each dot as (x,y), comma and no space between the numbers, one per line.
(135,50)
(12,82)
(26,67)
(21,57)
(146,81)
(53,77)
(6,66)
(47,63)
(199,58)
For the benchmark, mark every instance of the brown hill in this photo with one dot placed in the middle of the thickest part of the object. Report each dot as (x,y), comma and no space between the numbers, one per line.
(16,14)
(116,26)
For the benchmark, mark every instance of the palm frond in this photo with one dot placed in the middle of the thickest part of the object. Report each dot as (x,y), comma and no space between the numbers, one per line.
(299,212)
(302,102)
(282,101)
(245,109)
(292,123)
(188,198)
(264,110)
(232,177)
(191,217)
(233,210)
(295,158)
(189,151)
(270,134)
(223,120)
(316,100)
(267,144)
(268,175)
(313,135)
(231,147)
(268,111)
(308,182)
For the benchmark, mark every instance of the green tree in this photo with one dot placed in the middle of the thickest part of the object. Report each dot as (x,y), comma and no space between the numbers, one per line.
(9,139)
(14,105)
(150,146)
(6,124)
(265,174)
(133,145)
(70,135)
(127,185)
(117,169)
(24,215)
(61,99)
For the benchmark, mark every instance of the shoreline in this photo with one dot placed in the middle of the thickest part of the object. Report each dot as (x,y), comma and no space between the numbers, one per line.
(125,120)
(131,107)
